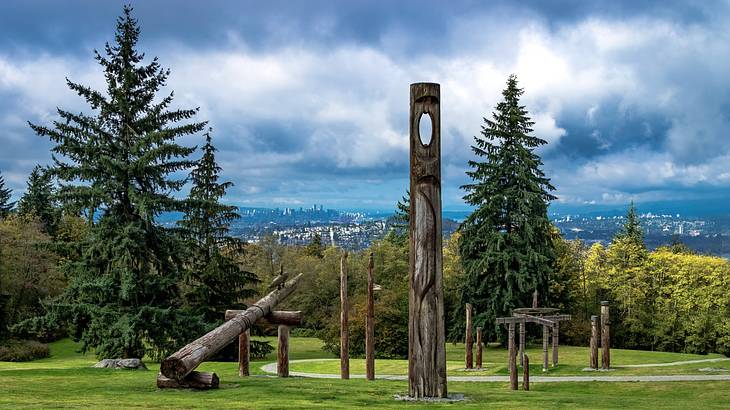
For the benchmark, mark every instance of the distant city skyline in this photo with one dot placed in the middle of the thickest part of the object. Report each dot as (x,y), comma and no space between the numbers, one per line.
(309,100)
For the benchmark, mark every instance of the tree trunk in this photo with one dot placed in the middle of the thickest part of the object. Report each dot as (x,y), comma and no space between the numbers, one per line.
(512,357)
(526,373)
(545,336)
(344,321)
(276,317)
(370,325)
(522,343)
(594,342)
(282,356)
(605,336)
(479,347)
(244,352)
(426,329)
(185,360)
(194,380)
(468,343)
(556,335)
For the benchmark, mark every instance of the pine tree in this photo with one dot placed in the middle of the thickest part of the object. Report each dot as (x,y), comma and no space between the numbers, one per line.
(5,193)
(315,248)
(506,244)
(39,199)
(631,230)
(216,281)
(123,298)
(400,226)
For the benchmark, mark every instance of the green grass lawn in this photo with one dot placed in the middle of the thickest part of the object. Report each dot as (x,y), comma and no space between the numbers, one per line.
(66,380)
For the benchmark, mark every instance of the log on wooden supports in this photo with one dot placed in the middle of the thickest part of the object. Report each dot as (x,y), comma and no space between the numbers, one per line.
(545,336)
(344,321)
(244,353)
(512,357)
(426,328)
(594,342)
(556,334)
(282,353)
(605,336)
(522,343)
(194,380)
(479,347)
(370,324)
(469,340)
(185,360)
(526,373)
(276,317)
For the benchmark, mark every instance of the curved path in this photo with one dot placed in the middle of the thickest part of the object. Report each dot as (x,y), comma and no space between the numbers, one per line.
(271,368)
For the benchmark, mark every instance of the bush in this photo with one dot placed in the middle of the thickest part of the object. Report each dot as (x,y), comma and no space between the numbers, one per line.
(260,349)
(23,351)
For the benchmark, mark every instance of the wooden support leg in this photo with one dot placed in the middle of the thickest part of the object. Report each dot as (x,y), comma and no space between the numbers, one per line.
(282,362)
(344,321)
(469,344)
(194,380)
(512,358)
(545,333)
(605,336)
(479,348)
(594,342)
(556,333)
(244,355)
(370,325)
(526,373)
(522,343)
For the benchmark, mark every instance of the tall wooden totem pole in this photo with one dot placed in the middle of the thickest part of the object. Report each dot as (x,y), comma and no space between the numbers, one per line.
(426,328)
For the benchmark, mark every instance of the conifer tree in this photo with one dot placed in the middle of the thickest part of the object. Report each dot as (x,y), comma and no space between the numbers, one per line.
(631,229)
(399,229)
(216,281)
(506,243)
(39,199)
(5,193)
(123,298)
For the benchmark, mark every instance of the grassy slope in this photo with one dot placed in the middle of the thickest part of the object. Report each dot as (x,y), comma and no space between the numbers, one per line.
(65,380)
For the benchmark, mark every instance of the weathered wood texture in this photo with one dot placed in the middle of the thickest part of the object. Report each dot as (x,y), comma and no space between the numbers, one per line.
(479,347)
(194,380)
(594,342)
(534,299)
(282,353)
(426,332)
(185,360)
(276,317)
(512,360)
(556,335)
(545,336)
(370,324)
(526,373)
(605,336)
(468,339)
(522,343)
(344,321)
(244,353)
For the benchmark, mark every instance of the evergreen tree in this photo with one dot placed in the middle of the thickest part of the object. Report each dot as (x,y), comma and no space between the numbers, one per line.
(506,244)
(39,200)
(631,230)
(5,193)
(216,281)
(315,248)
(123,298)
(400,226)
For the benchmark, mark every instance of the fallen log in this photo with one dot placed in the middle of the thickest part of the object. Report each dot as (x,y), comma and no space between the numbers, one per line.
(195,380)
(185,360)
(276,317)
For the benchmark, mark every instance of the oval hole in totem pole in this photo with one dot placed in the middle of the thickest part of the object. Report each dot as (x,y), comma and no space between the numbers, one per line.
(425,128)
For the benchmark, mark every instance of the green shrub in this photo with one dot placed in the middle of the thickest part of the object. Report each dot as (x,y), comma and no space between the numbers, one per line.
(22,351)
(260,349)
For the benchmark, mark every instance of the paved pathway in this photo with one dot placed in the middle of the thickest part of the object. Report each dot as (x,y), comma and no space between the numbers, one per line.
(271,368)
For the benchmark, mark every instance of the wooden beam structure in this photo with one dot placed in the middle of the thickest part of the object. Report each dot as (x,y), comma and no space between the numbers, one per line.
(526,373)
(370,324)
(282,353)
(522,343)
(276,317)
(426,327)
(594,342)
(512,356)
(556,333)
(479,347)
(178,365)
(545,336)
(194,380)
(468,339)
(244,353)
(344,321)
(605,336)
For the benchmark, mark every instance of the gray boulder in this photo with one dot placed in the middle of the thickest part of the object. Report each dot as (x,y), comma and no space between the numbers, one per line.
(135,364)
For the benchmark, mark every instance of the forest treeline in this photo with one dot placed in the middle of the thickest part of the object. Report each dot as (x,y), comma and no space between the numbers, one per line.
(83,255)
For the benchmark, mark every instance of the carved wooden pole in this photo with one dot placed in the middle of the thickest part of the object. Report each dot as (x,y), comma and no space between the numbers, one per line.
(244,355)
(469,341)
(534,299)
(526,373)
(512,359)
(344,321)
(556,334)
(594,342)
(479,347)
(545,335)
(522,343)
(426,329)
(605,336)
(370,325)
(282,356)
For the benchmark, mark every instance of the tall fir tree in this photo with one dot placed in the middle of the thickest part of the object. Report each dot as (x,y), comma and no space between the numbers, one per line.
(506,244)
(631,229)
(39,200)
(123,298)
(6,206)
(215,280)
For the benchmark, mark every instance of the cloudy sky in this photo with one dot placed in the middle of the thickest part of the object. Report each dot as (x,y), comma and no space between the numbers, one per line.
(309,99)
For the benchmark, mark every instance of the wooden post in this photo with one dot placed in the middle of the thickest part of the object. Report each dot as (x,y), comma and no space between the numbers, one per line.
(426,328)
(344,321)
(181,363)
(545,334)
(526,373)
(512,357)
(370,325)
(282,356)
(522,343)
(556,334)
(534,299)
(244,352)
(469,341)
(194,380)
(594,342)
(479,347)
(605,336)
(276,317)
